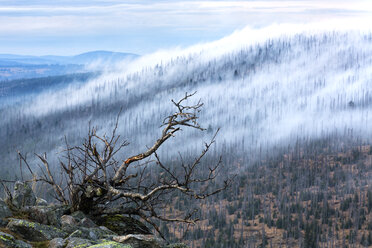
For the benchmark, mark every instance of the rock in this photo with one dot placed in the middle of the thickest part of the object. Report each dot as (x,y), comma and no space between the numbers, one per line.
(57,243)
(23,195)
(41,202)
(7,240)
(105,229)
(47,215)
(34,231)
(4,210)
(68,220)
(94,233)
(3,222)
(122,225)
(78,242)
(177,245)
(79,234)
(78,215)
(110,244)
(140,241)
(86,222)
(103,232)
(69,228)
(4,213)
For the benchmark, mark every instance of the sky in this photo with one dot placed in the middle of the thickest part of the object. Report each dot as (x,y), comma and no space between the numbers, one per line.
(66,27)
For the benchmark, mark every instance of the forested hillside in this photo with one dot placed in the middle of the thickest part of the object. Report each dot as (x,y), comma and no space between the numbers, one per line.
(262,95)
(294,112)
(310,196)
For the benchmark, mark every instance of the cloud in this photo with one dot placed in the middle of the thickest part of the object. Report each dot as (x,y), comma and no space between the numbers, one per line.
(170,13)
(158,22)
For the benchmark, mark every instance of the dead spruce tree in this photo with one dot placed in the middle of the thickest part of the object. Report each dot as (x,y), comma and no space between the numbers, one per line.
(95,182)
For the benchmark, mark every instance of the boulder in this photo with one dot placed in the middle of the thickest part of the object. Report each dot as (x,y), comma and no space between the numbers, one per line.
(110,244)
(23,195)
(69,228)
(122,225)
(78,215)
(86,222)
(103,232)
(68,220)
(140,241)
(4,210)
(47,215)
(4,213)
(78,242)
(34,231)
(7,240)
(93,233)
(57,243)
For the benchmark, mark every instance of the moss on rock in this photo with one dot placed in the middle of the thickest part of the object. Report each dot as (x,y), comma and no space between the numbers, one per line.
(110,244)
(7,240)
(34,231)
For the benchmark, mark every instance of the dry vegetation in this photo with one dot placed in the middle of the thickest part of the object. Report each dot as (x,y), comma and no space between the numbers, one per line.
(302,199)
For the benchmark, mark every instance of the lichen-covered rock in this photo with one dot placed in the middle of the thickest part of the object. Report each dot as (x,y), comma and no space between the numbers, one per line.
(7,240)
(23,195)
(140,241)
(110,244)
(57,243)
(47,215)
(122,225)
(34,231)
(78,243)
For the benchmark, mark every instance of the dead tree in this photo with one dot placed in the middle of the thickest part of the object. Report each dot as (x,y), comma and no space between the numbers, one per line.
(93,180)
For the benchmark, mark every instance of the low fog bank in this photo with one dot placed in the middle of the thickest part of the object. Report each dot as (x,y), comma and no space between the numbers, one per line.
(266,89)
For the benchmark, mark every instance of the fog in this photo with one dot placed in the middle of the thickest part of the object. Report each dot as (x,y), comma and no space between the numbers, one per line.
(264,88)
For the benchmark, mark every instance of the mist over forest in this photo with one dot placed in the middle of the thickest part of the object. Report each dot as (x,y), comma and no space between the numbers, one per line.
(264,93)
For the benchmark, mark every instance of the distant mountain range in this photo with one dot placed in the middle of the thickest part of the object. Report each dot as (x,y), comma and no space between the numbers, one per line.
(81,59)
(26,66)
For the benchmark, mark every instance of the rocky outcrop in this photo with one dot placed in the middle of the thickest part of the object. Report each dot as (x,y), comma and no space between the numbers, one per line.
(29,222)
(33,231)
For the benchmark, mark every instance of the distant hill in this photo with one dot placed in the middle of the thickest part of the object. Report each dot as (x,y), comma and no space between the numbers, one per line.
(13,89)
(84,58)
(104,56)
(25,66)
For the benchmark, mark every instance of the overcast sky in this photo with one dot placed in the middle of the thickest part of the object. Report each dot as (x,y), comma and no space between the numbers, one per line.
(66,27)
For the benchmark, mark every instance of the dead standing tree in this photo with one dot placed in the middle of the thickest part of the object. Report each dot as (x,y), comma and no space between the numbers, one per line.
(92,179)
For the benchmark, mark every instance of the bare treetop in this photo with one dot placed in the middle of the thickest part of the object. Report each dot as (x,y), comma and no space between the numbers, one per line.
(94,181)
